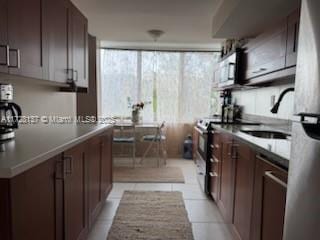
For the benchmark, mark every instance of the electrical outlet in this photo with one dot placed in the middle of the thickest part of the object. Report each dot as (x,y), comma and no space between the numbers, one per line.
(272,100)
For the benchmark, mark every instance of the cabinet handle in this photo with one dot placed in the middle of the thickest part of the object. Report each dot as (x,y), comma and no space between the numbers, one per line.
(214,160)
(60,170)
(69,160)
(214,174)
(260,70)
(6,63)
(17,51)
(70,74)
(76,74)
(270,174)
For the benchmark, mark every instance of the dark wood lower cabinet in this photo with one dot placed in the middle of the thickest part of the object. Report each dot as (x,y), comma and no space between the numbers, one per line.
(75,193)
(269,201)
(251,191)
(59,198)
(243,190)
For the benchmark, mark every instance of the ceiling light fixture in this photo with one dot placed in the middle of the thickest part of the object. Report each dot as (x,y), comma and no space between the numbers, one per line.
(155,34)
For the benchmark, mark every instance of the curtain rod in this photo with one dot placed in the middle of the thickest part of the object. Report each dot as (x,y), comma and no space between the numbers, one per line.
(160,50)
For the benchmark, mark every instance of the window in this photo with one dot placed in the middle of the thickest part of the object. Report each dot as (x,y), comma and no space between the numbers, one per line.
(176,86)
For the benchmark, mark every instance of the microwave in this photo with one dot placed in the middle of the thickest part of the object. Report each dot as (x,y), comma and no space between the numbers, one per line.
(229,73)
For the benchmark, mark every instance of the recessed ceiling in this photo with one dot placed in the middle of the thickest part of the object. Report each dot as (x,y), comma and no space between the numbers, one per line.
(185,22)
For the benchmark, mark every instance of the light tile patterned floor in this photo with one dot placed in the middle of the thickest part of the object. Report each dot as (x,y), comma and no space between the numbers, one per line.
(207,223)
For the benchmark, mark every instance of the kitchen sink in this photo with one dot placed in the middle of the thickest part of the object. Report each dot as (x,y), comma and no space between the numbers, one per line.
(267,134)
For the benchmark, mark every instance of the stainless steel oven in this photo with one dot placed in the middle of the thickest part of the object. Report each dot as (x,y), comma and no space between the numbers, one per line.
(201,157)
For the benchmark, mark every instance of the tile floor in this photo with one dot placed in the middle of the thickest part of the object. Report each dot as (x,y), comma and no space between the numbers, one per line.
(207,223)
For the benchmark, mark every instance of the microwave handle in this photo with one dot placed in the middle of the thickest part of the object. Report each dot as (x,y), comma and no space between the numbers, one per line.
(231,65)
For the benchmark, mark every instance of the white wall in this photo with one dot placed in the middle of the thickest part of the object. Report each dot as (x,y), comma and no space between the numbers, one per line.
(39,99)
(258,101)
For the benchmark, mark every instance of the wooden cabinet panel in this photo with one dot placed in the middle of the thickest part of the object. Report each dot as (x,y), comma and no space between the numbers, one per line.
(267,53)
(244,182)
(26,39)
(225,200)
(55,26)
(106,163)
(33,203)
(79,47)
(269,201)
(94,167)
(292,38)
(3,36)
(75,203)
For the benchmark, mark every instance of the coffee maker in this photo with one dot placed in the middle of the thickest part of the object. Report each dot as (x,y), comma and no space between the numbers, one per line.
(10,112)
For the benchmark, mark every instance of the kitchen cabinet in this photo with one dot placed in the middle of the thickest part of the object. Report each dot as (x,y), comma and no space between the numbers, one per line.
(292,38)
(243,190)
(106,163)
(225,196)
(269,201)
(55,25)
(60,198)
(24,38)
(4,36)
(94,175)
(75,199)
(267,53)
(27,204)
(78,47)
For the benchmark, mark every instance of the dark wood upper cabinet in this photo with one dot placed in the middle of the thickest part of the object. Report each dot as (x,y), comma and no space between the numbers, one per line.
(4,47)
(267,53)
(78,47)
(292,38)
(75,199)
(269,201)
(28,55)
(55,26)
(244,182)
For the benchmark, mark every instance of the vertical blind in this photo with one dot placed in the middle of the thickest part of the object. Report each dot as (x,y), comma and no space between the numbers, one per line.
(176,86)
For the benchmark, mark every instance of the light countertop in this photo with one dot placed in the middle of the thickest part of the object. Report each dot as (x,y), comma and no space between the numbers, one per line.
(34,144)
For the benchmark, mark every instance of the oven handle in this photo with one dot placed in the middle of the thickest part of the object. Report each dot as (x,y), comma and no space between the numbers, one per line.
(200,131)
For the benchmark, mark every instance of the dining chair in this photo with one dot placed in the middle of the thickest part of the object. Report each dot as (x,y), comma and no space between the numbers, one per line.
(124,135)
(159,140)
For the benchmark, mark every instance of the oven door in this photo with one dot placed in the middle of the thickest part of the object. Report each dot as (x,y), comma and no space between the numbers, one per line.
(201,158)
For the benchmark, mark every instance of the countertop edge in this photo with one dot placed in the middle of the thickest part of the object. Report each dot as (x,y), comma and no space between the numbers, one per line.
(270,156)
(7,173)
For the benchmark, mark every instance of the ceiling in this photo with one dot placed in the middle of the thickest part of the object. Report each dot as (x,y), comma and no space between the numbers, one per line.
(187,23)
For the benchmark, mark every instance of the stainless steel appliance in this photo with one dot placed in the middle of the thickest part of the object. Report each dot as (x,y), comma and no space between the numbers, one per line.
(302,218)
(203,127)
(10,112)
(229,70)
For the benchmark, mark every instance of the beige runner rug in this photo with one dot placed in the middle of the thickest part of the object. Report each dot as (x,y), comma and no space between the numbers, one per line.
(148,175)
(151,215)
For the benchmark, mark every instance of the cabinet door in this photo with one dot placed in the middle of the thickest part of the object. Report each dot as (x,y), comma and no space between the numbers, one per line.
(26,39)
(79,48)
(225,201)
(267,53)
(106,163)
(55,26)
(3,36)
(269,201)
(94,165)
(33,203)
(244,181)
(292,38)
(75,204)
